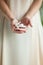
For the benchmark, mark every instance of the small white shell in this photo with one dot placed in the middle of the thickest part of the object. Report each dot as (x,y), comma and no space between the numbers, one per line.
(18,24)
(21,25)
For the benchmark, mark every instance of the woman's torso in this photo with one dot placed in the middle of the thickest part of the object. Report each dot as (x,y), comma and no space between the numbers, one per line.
(19,7)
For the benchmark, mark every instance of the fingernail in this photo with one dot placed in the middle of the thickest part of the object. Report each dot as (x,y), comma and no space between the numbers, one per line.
(24,31)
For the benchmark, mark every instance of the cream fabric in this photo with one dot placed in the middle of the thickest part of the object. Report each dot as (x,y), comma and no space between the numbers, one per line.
(22,49)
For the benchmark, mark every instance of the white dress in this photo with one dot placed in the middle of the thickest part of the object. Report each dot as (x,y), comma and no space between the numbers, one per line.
(26,48)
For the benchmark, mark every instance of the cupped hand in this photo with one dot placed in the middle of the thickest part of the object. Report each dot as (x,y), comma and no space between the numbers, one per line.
(26,21)
(15,29)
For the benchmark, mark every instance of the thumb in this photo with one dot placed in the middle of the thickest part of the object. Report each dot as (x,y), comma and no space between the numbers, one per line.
(30,24)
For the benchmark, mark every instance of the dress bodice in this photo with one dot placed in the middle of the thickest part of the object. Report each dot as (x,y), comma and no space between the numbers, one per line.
(19,7)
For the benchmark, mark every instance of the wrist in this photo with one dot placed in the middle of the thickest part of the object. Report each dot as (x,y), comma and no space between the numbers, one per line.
(11,19)
(27,16)
(14,21)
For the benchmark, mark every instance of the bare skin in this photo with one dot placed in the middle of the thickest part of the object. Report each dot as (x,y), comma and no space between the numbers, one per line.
(33,9)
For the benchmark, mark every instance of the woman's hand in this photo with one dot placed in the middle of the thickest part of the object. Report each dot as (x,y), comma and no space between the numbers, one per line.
(15,29)
(26,21)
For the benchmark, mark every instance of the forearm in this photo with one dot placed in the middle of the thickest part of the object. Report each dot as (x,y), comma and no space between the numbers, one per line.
(34,7)
(6,9)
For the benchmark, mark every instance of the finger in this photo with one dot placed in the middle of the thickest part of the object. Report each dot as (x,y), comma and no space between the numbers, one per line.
(19,32)
(30,24)
(12,28)
(19,29)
